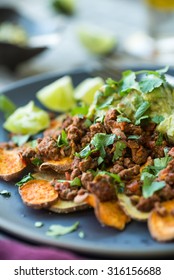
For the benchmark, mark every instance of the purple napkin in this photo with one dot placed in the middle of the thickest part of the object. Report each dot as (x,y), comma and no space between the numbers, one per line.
(13,250)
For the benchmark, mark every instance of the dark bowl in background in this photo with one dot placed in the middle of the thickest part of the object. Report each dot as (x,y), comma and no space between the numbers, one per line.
(11,55)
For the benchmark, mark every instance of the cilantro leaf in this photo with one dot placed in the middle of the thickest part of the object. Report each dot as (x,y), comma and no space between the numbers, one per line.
(140,119)
(5,193)
(142,109)
(157,119)
(62,139)
(134,137)
(148,85)
(38,224)
(58,230)
(123,119)
(101,140)
(150,173)
(85,152)
(159,140)
(119,147)
(128,82)
(76,182)
(106,103)
(36,161)
(149,187)
(25,179)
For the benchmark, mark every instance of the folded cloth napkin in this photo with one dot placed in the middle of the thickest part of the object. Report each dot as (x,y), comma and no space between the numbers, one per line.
(13,250)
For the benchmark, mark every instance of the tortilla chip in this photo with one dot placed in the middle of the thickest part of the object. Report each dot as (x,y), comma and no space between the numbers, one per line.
(63,206)
(60,166)
(161,226)
(130,209)
(11,164)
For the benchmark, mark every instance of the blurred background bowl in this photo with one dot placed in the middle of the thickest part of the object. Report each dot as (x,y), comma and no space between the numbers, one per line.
(12,53)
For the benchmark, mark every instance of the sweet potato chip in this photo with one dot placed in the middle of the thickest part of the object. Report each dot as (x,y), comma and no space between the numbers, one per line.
(60,166)
(130,209)
(108,213)
(48,175)
(161,225)
(63,206)
(38,193)
(11,164)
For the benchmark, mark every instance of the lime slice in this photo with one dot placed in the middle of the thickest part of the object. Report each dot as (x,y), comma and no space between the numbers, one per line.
(28,119)
(86,89)
(58,96)
(65,6)
(96,40)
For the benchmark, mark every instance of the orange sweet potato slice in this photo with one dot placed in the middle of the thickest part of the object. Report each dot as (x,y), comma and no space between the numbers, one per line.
(161,226)
(60,166)
(11,164)
(130,209)
(38,193)
(108,213)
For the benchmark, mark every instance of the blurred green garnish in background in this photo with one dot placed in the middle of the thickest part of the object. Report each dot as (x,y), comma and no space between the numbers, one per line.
(64,6)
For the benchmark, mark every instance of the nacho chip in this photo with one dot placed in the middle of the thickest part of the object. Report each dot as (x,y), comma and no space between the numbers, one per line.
(48,175)
(108,213)
(38,193)
(63,206)
(161,226)
(11,164)
(130,209)
(60,166)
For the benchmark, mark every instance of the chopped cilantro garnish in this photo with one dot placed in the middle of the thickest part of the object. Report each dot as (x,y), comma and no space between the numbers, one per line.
(142,109)
(140,119)
(81,234)
(159,140)
(134,137)
(84,153)
(123,119)
(75,182)
(38,224)
(119,147)
(5,193)
(108,101)
(58,230)
(102,140)
(62,139)
(128,82)
(25,179)
(150,186)
(36,161)
(148,85)
(150,173)
(157,119)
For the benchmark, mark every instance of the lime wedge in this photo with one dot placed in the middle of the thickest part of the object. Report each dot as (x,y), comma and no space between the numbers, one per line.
(28,119)
(86,90)
(65,6)
(96,40)
(58,96)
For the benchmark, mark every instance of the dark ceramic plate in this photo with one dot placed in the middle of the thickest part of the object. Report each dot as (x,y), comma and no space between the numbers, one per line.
(18,219)
(10,54)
